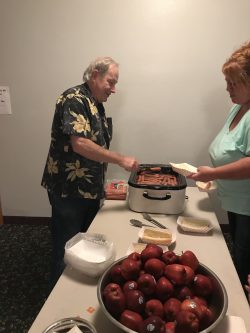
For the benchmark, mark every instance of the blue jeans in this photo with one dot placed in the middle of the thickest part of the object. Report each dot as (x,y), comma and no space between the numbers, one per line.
(240,233)
(69,216)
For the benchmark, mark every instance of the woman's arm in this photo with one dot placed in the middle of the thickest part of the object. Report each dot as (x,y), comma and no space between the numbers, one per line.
(235,170)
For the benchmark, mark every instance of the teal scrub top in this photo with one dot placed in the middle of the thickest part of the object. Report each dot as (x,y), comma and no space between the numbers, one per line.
(228,147)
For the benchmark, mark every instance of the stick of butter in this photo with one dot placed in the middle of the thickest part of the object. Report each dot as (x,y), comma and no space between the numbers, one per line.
(156,236)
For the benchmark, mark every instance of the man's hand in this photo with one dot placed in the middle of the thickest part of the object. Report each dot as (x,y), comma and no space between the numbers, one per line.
(129,163)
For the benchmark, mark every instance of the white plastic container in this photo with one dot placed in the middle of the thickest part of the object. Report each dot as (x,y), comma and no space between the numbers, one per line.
(89,253)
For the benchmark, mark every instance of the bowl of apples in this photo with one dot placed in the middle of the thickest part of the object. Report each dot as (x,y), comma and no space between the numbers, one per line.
(162,292)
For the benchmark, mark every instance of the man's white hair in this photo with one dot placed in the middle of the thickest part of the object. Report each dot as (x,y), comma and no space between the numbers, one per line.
(100,64)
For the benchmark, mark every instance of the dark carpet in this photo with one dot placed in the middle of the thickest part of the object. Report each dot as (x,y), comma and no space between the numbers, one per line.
(24,274)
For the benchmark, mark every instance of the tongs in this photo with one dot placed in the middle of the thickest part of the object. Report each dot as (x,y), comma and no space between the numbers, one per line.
(137,223)
(150,219)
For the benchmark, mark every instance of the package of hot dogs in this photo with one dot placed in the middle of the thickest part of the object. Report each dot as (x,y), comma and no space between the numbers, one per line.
(116,189)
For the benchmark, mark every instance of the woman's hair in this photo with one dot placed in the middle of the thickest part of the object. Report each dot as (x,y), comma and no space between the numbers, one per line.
(100,64)
(237,67)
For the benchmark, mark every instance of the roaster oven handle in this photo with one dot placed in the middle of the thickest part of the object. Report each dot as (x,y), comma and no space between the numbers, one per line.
(145,194)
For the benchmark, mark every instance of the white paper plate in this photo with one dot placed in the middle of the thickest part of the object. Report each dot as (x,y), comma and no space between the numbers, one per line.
(206,187)
(155,240)
(193,224)
(184,169)
(231,324)
(138,247)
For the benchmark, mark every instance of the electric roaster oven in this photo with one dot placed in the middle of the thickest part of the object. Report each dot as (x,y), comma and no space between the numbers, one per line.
(156,189)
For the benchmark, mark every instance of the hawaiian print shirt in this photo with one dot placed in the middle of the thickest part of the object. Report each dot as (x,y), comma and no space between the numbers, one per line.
(67,173)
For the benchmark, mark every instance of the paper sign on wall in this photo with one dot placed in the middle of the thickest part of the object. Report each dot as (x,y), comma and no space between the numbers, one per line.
(5,106)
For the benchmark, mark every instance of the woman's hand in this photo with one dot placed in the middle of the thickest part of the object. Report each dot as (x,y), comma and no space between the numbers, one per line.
(236,170)
(203,174)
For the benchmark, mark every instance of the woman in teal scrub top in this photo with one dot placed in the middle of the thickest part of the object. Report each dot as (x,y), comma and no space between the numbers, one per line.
(230,157)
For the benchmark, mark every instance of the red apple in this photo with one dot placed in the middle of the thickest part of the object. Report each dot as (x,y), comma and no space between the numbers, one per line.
(179,274)
(116,275)
(169,257)
(131,319)
(207,317)
(151,251)
(186,322)
(202,285)
(164,288)
(115,302)
(152,324)
(183,292)
(188,258)
(130,269)
(158,247)
(155,267)
(170,327)
(171,307)
(192,306)
(154,307)
(190,275)
(111,287)
(142,272)
(146,283)
(129,285)
(200,300)
(135,256)
(135,301)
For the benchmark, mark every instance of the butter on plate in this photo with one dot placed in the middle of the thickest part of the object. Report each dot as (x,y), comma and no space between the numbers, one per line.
(193,224)
(156,236)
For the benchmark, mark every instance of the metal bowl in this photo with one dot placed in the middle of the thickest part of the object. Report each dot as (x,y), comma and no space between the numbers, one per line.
(218,302)
(65,324)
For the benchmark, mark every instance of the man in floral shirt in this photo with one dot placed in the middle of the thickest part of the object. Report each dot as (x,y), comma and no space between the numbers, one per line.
(78,156)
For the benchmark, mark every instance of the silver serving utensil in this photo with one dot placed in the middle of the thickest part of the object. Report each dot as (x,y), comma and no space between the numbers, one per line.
(150,219)
(137,223)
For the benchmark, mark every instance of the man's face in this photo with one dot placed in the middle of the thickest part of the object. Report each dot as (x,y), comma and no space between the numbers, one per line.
(104,85)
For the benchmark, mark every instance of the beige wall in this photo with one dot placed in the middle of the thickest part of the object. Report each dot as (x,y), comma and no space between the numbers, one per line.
(171,97)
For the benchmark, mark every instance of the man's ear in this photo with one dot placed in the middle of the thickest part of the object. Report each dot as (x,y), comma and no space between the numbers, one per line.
(95,73)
